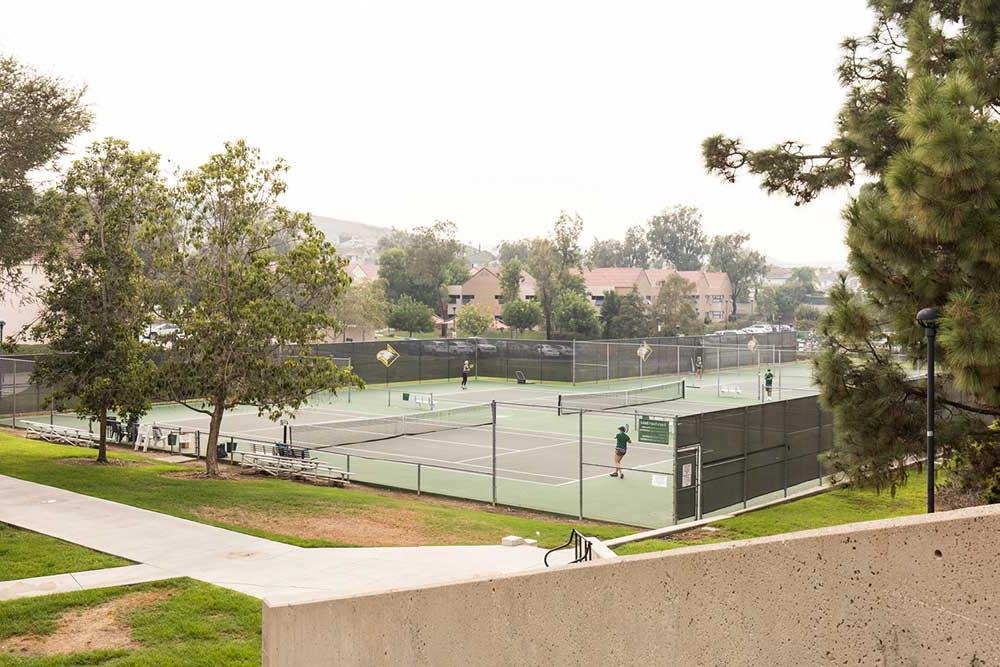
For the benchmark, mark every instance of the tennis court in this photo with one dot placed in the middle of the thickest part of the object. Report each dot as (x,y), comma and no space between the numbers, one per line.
(547,447)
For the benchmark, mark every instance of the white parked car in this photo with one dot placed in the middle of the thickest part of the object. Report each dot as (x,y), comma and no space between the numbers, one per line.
(548,350)
(162,330)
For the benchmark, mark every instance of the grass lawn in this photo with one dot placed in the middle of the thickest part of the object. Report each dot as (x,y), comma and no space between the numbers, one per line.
(844,505)
(26,554)
(282,510)
(175,622)
(307,515)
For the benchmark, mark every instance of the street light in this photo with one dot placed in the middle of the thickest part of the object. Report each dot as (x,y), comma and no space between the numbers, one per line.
(928,319)
(2,323)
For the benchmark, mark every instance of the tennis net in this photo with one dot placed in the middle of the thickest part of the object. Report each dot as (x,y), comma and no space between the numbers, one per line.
(609,400)
(354,431)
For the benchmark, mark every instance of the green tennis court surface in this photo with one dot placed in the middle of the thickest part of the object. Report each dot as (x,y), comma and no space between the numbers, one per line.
(531,457)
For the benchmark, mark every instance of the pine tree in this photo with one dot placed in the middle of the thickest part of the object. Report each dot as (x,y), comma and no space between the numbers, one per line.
(920,126)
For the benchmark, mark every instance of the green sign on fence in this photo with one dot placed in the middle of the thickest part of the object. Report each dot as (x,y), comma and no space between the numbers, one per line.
(654,429)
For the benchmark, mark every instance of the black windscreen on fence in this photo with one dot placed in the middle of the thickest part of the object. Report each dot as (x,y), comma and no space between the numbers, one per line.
(752,451)
(552,360)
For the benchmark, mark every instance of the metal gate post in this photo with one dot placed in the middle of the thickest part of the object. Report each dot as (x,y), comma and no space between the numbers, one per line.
(746,455)
(581,465)
(493,473)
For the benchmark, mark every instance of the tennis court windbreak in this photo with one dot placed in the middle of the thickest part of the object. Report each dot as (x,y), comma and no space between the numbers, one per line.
(623,398)
(354,431)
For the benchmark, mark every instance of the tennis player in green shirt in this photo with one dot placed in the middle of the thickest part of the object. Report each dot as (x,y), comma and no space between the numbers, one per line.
(621,448)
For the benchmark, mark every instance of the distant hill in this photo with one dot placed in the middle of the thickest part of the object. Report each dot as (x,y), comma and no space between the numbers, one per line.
(358,239)
(337,230)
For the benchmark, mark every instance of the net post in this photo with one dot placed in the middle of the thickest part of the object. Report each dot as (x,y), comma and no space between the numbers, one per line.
(679,360)
(580,514)
(418,478)
(607,361)
(718,371)
(493,457)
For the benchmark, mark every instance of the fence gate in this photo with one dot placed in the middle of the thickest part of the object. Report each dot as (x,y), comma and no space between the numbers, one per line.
(688,483)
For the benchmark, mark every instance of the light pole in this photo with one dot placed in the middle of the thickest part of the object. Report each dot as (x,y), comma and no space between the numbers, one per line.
(928,319)
(2,323)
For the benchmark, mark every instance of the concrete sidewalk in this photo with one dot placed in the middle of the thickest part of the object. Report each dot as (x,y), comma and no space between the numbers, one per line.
(251,565)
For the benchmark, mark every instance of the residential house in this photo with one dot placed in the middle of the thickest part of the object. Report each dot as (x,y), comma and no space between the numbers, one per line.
(712,294)
(482,289)
(21,307)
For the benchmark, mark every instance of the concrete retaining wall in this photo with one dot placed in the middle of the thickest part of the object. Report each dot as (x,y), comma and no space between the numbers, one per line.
(919,590)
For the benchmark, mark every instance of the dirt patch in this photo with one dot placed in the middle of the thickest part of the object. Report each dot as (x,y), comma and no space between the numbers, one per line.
(950,498)
(87,461)
(372,527)
(87,629)
(697,534)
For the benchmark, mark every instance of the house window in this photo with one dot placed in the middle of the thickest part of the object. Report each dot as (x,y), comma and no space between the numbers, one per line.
(718,298)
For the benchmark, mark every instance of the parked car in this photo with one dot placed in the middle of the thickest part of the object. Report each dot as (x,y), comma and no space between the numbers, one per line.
(565,350)
(161,331)
(436,347)
(461,347)
(547,350)
(484,346)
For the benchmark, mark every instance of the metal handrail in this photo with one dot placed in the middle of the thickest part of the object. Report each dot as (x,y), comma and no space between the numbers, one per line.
(582,548)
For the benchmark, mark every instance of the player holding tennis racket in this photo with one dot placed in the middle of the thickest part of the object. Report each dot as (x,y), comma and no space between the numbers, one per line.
(621,448)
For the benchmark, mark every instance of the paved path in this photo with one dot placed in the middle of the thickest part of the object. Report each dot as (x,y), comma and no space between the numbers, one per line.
(169,546)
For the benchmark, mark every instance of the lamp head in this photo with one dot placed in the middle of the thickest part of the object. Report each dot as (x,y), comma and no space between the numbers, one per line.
(928,318)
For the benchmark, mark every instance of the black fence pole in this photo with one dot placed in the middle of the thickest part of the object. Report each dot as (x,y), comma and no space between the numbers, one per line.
(493,457)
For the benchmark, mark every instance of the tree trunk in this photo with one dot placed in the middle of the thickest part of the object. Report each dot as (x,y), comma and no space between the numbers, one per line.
(211,454)
(102,440)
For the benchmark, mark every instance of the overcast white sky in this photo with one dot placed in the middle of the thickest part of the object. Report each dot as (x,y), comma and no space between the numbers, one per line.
(494,115)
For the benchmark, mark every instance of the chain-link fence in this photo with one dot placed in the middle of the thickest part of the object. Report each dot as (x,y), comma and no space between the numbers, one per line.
(557,361)
(19,393)
(750,454)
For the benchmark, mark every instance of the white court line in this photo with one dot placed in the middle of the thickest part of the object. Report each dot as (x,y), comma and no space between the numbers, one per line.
(419,459)
(519,451)
(607,474)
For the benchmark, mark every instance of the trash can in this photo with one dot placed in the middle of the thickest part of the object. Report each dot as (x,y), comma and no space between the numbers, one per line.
(172,441)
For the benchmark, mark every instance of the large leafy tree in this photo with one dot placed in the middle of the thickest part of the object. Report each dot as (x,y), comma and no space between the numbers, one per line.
(611,307)
(472,320)
(97,300)
(542,266)
(606,253)
(408,314)
(363,306)
(575,316)
(673,312)
(39,116)
(744,266)
(511,277)
(676,238)
(519,250)
(635,250)
(920,129)
(422,263)
(522,314)
(251,285)
(633,318)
